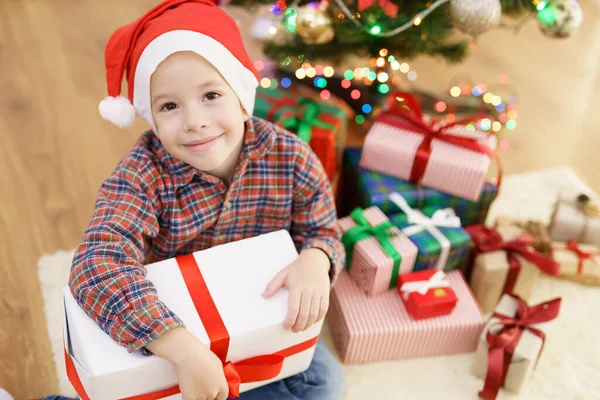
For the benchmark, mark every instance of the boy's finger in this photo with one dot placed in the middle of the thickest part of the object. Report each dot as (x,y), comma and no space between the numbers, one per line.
(315,306)
(293,308)
(323,307)
(304,312)
(276,283)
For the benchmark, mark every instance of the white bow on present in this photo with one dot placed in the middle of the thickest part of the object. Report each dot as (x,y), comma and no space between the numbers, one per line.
(444,217)
(437,280)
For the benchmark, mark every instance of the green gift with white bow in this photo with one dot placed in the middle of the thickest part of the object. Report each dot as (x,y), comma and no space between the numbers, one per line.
(438,234)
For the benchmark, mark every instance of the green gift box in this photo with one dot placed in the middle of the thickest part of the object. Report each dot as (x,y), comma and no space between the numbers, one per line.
(277,105)
(430,247)
(321,125)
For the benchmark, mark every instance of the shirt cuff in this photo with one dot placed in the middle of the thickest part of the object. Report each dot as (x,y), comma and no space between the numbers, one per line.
(141,326)
(331,248)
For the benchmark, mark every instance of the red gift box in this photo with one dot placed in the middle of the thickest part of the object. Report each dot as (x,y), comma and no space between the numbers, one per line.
(426,294)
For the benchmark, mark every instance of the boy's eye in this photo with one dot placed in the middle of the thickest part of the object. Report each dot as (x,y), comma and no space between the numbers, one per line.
(212,96)
(168,107)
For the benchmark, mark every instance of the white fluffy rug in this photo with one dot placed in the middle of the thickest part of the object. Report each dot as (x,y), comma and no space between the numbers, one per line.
(568,369)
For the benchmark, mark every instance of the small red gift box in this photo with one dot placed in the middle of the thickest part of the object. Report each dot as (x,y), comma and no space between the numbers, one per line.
(426,294)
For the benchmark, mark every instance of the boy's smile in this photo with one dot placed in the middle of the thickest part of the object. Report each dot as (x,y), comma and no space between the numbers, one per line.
(198,116)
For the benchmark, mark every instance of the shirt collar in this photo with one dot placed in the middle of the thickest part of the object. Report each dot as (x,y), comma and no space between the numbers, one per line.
(258,141)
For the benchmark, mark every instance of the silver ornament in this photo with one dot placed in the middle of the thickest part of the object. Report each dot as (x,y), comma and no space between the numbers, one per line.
(475,17)
(560,18)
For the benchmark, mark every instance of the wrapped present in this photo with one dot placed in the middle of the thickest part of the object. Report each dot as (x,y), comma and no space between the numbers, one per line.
(504,262)
(575,219)
(511,344)
(361,187)
(578,262)
(537,230)
(444,156)
(379,328)
(321,125)
(426,294)
(442,242)
(228,315)
(376,251)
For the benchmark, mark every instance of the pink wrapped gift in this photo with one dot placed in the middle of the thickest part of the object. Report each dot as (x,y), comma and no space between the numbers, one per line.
(368,329)
(376,251)
(447,157)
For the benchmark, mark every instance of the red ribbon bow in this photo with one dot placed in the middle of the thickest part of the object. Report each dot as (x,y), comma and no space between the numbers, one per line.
(411,119)
(581,255)
(502,344)
(389,8)
(255,369)
(487,240)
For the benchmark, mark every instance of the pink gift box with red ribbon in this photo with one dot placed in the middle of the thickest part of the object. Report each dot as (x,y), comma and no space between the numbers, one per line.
(230,316)
(379,328)
(448,157)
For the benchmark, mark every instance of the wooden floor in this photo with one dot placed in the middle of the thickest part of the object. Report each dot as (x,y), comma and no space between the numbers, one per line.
(55,150)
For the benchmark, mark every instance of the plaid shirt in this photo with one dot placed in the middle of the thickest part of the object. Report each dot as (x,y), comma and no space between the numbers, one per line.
(154,207)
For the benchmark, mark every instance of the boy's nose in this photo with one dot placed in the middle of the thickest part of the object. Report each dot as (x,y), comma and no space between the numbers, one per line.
(195,120)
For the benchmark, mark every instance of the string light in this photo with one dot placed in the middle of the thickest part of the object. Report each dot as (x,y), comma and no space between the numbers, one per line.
(382,77)
(328,71)
(404,68)
(355,94)
(325,94)
(455,91)
(383,52)
(376,29)
(265,83)
(380,62)
(359,119)
(346,83)
(412,75)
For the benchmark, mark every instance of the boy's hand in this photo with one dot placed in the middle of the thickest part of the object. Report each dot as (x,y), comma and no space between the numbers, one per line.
(307,279)
(199,371)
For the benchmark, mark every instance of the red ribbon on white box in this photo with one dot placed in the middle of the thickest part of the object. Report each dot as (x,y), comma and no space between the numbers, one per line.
(437,280)
(255,369)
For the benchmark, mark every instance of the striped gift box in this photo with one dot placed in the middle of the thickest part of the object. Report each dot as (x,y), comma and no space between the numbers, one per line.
(430,249)
(371,267)
(362,187)
(390,147)
(369,329)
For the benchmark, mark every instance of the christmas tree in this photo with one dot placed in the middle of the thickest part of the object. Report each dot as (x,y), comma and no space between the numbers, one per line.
(332,29)
(368,42)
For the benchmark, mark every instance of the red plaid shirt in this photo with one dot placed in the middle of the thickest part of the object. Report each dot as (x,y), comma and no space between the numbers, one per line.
(154,207)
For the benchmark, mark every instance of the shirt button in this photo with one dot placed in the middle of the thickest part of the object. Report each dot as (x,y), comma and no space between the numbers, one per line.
(227,205)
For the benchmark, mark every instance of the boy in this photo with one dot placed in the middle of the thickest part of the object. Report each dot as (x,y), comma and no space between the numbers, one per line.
(207,174)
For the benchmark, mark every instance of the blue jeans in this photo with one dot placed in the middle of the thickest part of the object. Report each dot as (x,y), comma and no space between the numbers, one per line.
(323,380)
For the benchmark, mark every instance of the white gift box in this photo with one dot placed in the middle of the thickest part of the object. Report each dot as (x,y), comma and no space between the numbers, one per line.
(236,275)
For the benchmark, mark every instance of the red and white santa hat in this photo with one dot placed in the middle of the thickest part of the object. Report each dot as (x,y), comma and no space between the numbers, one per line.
(138,48)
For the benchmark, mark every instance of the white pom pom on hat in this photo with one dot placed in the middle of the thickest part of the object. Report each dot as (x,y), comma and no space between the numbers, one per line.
(117,110)
(136,50)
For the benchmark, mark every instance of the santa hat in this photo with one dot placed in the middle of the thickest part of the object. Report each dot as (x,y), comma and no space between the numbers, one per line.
(138,48)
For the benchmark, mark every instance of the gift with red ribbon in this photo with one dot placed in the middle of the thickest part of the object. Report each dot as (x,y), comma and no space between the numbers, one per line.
(504,261)
(511,343)
(244,330)
(376,251)
(321,125)
(578,261)
(405,143)
(379,328)
(426,294)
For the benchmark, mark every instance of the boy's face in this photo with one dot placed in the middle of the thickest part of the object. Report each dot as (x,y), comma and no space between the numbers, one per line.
(198,116)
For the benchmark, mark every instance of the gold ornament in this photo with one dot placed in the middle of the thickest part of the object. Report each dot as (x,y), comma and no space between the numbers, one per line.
(475,17)
(313,24)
